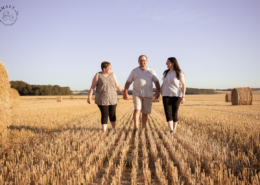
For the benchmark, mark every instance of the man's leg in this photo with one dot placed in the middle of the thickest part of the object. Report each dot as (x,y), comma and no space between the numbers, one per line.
(146,109)
(144,120)
(136,118)
(137,108)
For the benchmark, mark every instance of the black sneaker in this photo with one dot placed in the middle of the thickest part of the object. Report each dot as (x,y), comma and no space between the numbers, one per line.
(135,130)
(172,132)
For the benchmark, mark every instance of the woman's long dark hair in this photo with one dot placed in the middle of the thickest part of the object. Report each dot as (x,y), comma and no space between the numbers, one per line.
(176,67)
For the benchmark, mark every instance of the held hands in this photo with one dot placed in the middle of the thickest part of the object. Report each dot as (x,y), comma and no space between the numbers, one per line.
(89,100)
(125,96)
(156,95)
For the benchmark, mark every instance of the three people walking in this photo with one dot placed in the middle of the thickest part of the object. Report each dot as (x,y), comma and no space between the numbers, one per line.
(172,89)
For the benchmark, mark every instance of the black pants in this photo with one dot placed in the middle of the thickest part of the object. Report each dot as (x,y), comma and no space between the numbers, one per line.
(171,107)
(107,111)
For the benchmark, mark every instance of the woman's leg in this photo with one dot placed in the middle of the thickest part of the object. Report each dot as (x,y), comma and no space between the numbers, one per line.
(168,111)
(104,116)
(112,116)
(175,107)
(104,127)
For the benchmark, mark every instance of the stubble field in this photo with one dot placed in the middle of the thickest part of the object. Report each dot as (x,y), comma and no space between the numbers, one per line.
(53,142)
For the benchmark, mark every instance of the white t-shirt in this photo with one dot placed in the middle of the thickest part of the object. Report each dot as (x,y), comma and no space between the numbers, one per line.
(171,85)
(143,81)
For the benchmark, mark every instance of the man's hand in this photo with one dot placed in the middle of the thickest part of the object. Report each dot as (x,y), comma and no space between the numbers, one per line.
(156,95)
(126,97)
(89,100)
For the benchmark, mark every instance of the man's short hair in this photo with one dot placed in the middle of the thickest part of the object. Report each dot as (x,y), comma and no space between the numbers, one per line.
(142,56)
(105,64)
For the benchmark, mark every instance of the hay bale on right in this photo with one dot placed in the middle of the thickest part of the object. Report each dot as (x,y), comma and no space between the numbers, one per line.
(242,96)
(59,99)
(15,98)
(228,97)
(5,103)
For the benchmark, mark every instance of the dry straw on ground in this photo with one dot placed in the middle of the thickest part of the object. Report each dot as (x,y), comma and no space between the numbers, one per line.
(14,98)
(242,96)
(4,98)
(71,98)
(59,99)
(228,97)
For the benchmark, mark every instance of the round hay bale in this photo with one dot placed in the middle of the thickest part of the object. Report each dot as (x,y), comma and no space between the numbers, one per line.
(242,96)
(59,99)
(71,98)
(5,103)
(14,98)
(228,97)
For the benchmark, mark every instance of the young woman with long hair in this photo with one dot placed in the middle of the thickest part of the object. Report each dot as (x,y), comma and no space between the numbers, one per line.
(173,92)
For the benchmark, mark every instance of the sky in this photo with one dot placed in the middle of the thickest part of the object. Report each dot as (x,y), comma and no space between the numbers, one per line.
(64,42)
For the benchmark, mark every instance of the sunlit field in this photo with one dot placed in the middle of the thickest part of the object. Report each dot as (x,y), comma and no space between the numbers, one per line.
(53,142)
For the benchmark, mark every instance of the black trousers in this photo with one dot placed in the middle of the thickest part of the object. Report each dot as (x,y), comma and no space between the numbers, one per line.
(171,107)
(107,111)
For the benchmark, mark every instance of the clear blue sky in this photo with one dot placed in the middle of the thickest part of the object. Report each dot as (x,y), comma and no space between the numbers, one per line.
(216,42)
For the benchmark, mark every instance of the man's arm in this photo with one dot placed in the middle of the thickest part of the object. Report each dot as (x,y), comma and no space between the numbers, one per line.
(129,80)
(157,85)
(127,84)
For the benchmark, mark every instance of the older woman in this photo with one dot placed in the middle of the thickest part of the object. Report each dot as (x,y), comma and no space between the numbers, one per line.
(173,92)
(106,84)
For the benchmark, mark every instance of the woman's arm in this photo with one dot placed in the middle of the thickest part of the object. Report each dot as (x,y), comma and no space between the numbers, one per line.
(93,86)
(161,88)
(183,89)
(117,85)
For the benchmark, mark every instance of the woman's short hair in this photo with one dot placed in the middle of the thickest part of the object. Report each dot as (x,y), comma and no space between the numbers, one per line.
(105,64)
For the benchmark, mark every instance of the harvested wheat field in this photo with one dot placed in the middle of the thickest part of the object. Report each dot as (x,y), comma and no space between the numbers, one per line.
(51,143)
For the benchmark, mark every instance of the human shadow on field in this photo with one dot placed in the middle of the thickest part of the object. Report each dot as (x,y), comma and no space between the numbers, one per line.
(50,131)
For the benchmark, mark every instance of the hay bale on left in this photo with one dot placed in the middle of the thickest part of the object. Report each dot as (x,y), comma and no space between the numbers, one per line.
(59,99)
(5,103)
(15,98)
(71,98)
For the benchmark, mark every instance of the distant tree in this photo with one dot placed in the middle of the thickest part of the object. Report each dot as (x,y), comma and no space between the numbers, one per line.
(26,89)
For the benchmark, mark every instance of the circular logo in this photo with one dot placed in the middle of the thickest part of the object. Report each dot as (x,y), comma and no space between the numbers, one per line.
(8,15)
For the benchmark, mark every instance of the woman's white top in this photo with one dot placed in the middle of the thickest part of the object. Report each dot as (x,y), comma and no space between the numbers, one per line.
(171,85)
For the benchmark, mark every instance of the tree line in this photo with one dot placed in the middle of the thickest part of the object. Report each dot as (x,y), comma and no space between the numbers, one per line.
(253,89)
(197,91)
(26,89)
(188,91)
